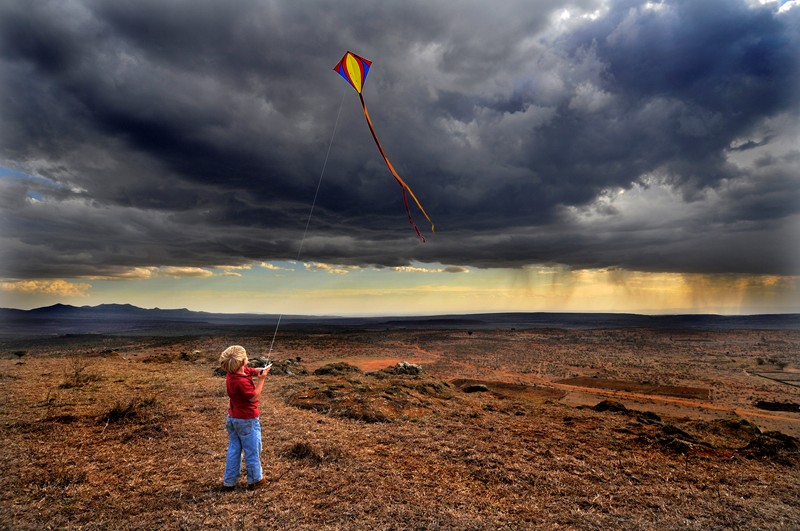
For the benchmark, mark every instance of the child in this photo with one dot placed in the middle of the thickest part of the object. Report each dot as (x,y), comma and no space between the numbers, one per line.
(242,424)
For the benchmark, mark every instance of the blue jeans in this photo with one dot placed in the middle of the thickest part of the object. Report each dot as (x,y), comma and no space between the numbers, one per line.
(244,435)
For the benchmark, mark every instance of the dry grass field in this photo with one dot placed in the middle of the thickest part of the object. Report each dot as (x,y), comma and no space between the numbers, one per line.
(562,429)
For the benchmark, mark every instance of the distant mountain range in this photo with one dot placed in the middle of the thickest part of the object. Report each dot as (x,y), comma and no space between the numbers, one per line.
(120,319)
(126,319)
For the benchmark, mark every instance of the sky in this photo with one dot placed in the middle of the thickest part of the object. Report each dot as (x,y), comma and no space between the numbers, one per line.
(585,155)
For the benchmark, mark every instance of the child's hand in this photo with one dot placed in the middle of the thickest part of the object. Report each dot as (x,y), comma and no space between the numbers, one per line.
(264,372)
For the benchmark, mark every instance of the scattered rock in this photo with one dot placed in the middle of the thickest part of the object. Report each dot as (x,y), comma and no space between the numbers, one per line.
(774,445)
(402,368)
(366,411)
(284,368)
(675,431)
(679,446)
(258,362)
(345,401)
(647,417)
(434,388)
(380,400)
(644,417)
(288,367)
(611,405)
(735,427)
(682,442)
(337,369)
(777,406)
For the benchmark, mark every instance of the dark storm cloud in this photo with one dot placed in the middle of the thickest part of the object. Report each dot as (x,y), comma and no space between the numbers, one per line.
(193,134)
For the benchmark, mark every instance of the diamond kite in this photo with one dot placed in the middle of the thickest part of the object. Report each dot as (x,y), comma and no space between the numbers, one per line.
(354,69)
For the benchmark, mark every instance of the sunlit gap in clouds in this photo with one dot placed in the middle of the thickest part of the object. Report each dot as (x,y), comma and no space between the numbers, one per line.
(325,289)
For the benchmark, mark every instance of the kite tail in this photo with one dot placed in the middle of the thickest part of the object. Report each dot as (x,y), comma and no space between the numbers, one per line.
(400,181)
(410,220)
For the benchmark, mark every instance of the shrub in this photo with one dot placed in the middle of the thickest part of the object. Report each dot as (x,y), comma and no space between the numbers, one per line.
(75,373)
(304,451)
(135,409)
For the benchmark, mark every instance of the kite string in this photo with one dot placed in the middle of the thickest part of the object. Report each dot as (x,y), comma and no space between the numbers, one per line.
(311,212)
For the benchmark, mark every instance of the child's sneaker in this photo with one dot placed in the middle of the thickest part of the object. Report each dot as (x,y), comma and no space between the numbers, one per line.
(227,488)
(258,484)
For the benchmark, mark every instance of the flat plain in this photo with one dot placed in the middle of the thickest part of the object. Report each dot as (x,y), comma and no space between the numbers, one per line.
(501,429)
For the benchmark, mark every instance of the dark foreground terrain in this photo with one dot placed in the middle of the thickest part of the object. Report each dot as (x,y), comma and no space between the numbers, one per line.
(502,429)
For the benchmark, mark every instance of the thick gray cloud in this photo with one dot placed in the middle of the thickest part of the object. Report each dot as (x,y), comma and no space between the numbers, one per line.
(187,133)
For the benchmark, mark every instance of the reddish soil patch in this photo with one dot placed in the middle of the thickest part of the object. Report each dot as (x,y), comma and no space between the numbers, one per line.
(696,393)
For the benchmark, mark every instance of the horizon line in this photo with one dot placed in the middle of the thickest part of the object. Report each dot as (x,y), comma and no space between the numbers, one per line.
(644,313)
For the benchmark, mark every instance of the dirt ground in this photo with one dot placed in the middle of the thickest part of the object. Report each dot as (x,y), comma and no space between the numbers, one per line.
(521,429)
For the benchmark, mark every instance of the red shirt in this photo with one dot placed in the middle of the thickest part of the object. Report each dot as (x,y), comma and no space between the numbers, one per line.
(241,389)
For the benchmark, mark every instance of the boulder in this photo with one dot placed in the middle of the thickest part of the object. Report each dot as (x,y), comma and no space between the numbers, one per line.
(337,369)
(475,388)
(403,368)
(611,405)
(258,362)
(774,445)
(777,406)
(288,367)
(647,417)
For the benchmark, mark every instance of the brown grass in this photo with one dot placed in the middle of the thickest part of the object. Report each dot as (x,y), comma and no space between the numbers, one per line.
(142,445)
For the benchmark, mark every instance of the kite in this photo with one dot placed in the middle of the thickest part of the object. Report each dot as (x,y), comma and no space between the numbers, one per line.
(354,70)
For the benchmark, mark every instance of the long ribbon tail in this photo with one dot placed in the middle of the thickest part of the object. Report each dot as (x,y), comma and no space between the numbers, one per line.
(400,181)
(410,220)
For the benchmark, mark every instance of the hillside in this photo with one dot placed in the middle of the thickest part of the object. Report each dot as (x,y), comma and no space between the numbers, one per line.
(128,433)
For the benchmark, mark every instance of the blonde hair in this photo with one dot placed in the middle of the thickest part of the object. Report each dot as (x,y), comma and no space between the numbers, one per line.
(232,358)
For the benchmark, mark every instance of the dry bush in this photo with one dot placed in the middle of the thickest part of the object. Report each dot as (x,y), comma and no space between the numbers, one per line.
(134,410)
(76,374)
(305,451)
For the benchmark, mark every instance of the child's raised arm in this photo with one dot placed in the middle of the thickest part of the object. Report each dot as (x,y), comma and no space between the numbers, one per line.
(262,375)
